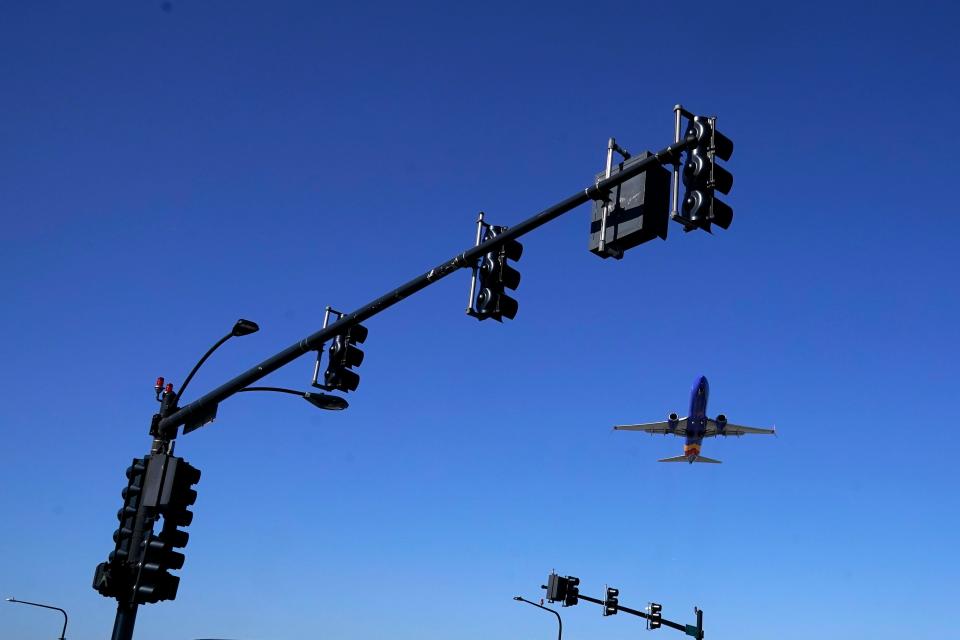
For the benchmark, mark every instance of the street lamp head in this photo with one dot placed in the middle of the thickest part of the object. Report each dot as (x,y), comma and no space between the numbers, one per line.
(517,598)
(244,327)
(325,401)
(11,599)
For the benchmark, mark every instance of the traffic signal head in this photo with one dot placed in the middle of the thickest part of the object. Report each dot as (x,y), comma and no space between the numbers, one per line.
(610,602)
(573,592)
(656,616)
(703,177)
(178,493)
(343,355)
(495,275)
(154,582)
(556,587)
(159,550)
(132,496)
(113,578)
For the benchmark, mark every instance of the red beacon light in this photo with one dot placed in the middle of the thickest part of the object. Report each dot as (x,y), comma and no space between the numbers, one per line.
(159,384)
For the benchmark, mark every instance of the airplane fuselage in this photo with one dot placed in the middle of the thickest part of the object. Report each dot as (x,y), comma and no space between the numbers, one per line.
(697,420)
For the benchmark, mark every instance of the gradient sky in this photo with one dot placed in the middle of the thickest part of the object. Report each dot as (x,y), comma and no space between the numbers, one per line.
(163,173)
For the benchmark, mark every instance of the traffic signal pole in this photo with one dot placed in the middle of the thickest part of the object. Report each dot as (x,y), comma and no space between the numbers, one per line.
(123,623)
(642,614)
(195,413)
(171,417)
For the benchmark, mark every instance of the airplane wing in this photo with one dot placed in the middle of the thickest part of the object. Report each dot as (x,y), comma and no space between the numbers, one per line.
(656,427)
(732,430)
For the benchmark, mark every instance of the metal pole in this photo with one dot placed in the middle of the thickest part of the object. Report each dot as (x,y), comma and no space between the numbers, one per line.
(473,277)
(642,614)
(312,342)
(540,606)
(675,183)
(611,143)
(123,624)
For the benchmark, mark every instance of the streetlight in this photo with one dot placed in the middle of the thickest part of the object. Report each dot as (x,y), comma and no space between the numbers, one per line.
(540,606)
(240,328)
(63,633)
(244,328)
(319,400)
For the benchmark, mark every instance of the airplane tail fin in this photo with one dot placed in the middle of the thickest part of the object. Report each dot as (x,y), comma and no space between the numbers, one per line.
(687,459)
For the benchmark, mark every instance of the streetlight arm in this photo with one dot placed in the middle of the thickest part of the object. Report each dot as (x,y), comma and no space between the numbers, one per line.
(540,606)
(63,633)
(241,328)
(275,389)
(199,364)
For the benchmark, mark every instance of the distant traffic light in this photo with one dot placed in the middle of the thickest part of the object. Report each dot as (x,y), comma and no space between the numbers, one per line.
(703,177)
(495,275)
(610,603)
(556,587)
(573,592)
(656,616)
(343,356)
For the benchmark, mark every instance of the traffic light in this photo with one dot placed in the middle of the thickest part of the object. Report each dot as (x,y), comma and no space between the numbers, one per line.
(563,588)
(112,578)
(556,588)
(610,603)
(703,177)
(132,496)
(656,616)
(495,275)
(155,583)
(343,356)
(573,592)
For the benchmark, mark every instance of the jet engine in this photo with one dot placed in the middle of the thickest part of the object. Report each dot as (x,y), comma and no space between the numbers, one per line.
(672,421)
(721,424)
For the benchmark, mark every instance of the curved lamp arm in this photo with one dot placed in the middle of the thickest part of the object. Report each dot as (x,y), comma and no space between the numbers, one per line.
(319,400)
(540,606)
(241,328)
(46,606)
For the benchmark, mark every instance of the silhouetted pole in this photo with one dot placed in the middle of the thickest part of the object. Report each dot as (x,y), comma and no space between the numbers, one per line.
(540,606)
(63,632)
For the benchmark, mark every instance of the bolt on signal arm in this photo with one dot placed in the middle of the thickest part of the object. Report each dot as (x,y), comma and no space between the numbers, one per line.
(193,412)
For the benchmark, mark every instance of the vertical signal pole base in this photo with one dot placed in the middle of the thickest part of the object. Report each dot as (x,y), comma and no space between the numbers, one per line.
(123,624)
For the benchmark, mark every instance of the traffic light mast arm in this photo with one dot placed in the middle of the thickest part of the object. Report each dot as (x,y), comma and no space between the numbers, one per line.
(204,404)
(642,614)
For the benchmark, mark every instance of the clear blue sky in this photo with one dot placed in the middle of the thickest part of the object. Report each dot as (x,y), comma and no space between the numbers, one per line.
(164,173)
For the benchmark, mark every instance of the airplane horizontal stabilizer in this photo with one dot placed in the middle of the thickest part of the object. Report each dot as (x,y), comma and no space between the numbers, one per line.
(687,459)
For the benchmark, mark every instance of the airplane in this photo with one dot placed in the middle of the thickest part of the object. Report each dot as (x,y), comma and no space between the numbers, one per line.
(694,427)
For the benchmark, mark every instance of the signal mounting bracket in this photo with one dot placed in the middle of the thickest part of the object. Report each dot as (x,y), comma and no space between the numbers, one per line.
(316,367)
(603,249)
